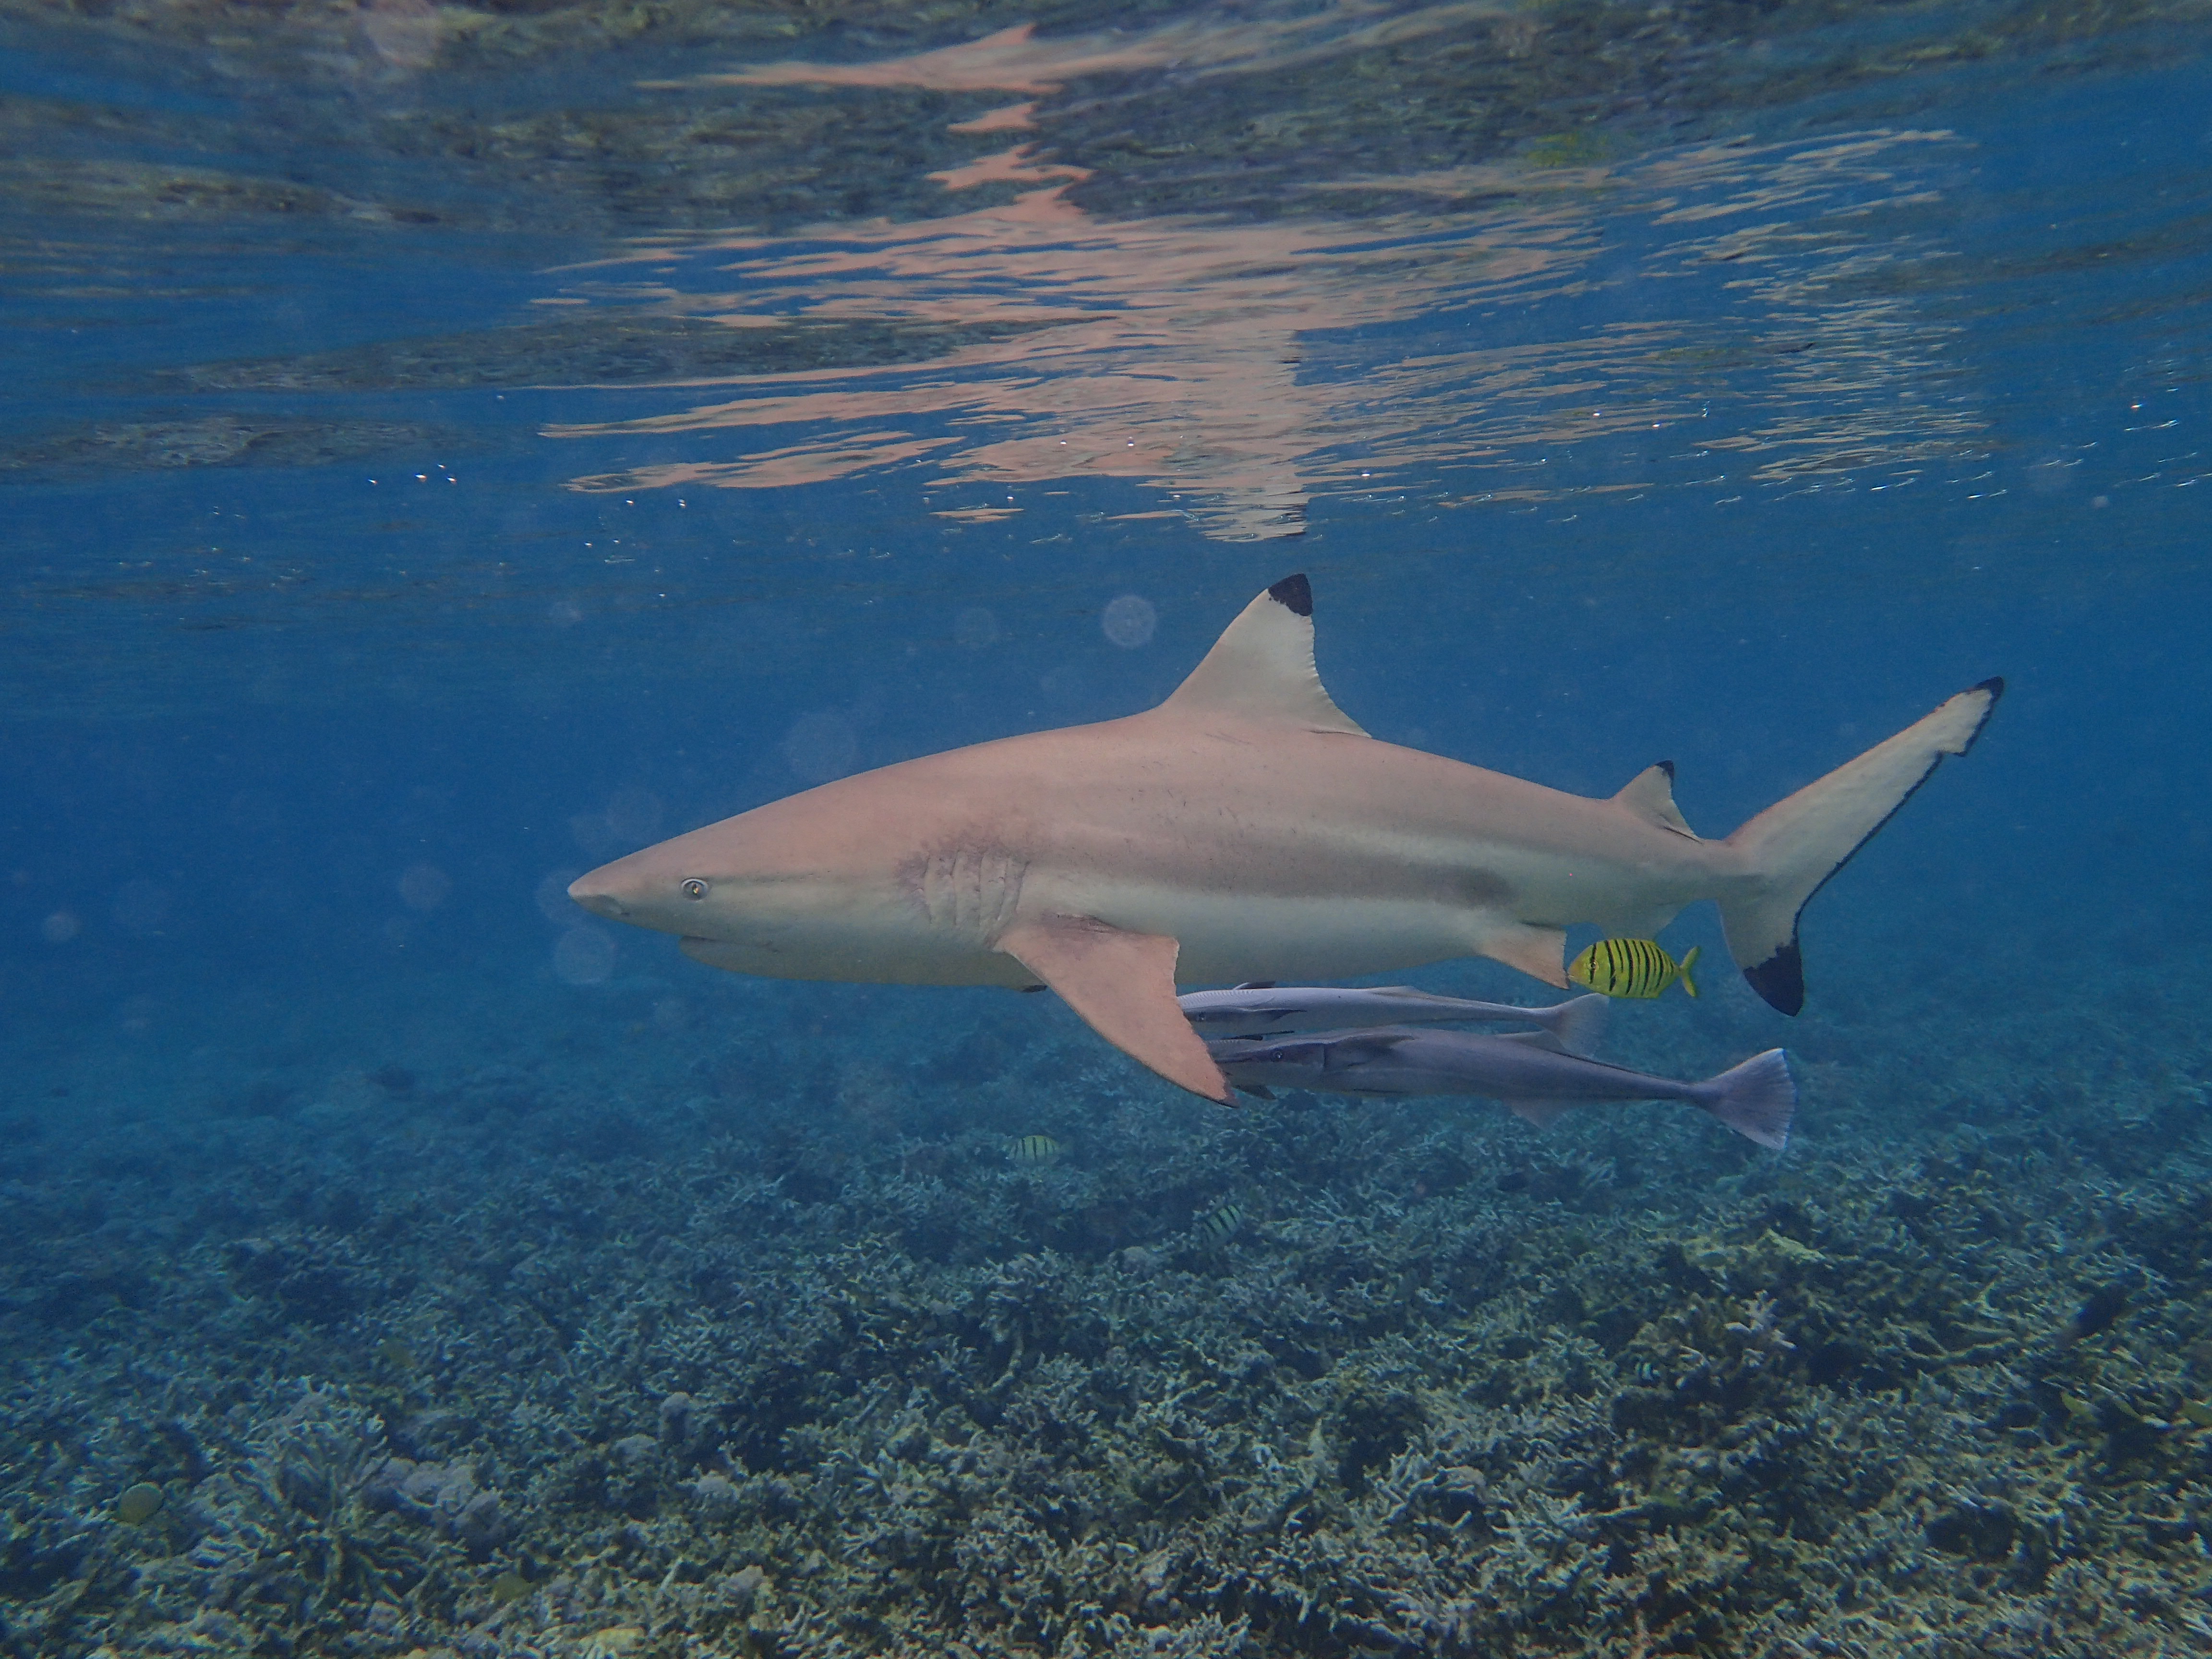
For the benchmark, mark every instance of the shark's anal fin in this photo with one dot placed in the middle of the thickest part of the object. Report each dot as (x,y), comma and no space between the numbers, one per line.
(1538,953)
(1123,984)
(1650,795)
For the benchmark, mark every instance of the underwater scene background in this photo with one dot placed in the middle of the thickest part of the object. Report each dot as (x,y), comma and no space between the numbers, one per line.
(447,447)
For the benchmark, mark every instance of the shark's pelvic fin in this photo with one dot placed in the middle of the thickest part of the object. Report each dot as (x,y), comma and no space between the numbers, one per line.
(1261,668)
(1538,953)
(1123,984)
(1796,845)
(1650,795)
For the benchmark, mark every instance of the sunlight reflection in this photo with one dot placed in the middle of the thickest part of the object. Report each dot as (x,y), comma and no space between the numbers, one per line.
(1477,320)
(1015,60)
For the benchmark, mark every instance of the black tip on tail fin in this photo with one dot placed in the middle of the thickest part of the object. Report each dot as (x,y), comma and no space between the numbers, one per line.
(1780,979)
(1757,1099)
(1296,592)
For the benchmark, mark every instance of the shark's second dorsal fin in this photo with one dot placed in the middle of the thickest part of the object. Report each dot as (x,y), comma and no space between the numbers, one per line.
(1261,668)
(1650,795)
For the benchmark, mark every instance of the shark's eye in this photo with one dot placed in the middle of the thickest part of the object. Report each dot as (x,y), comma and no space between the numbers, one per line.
(694,888)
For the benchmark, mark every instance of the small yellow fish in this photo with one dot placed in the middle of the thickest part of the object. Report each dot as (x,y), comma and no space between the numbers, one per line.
(1632,968)
(1033,1149)
(1216,1225)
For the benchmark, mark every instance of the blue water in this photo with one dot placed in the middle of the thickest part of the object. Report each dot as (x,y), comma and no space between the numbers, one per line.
(442,456)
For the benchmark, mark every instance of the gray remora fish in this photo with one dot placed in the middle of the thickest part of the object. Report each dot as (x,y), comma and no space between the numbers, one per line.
(1535,1079)
(1261,1009)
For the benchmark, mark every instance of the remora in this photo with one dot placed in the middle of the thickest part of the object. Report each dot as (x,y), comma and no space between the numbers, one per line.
(1251,1010)
(1244,829)
(1528,1071)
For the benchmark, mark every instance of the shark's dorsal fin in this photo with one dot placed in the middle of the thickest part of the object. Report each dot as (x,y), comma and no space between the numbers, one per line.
(1261,668)
(1650,795)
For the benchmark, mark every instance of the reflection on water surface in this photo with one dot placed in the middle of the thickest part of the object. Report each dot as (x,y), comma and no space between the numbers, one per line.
(1571,334)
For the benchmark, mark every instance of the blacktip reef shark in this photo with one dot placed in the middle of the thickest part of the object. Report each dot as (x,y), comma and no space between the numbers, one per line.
(1247,1011)
(1245,829)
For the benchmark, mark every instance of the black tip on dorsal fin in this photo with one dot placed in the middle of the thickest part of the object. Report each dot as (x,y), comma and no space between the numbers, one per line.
(1295,591)
(1995,686)
(1667,767)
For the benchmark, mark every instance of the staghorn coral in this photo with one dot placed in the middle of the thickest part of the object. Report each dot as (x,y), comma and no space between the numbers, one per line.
(285,1525)
(1454,1388)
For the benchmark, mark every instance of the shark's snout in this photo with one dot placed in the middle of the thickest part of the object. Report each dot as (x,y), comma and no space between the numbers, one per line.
(594,897)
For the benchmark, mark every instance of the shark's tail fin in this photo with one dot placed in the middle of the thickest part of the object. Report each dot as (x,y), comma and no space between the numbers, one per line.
(1796,845)
(1756,1099)
(1579,1024)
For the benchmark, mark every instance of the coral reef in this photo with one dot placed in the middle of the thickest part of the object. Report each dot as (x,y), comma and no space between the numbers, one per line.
(808,1360)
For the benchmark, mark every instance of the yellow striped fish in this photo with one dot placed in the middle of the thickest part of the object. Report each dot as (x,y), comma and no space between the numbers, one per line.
(1033,1149)
(1632,968)
(1216,1225)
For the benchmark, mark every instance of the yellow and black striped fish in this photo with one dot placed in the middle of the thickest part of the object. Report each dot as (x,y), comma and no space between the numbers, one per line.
(1632,968)
(1033,1149)
(1216,1225)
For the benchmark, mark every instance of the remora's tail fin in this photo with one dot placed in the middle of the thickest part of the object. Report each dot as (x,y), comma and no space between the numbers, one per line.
(1796,845)
(1756,1099)
(1578,1023)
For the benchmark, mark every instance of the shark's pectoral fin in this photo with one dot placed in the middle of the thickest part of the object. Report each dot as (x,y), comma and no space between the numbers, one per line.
(1123,984)
(1540,952)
